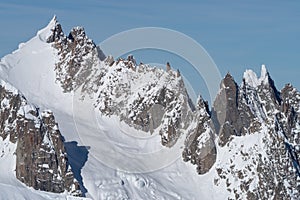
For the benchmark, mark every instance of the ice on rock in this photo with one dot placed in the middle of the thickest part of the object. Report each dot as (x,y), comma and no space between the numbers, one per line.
(264,75)
(8,87)
(46,32)
(252,80)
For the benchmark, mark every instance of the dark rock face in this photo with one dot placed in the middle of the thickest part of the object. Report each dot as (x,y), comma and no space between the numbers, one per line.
(232,116)
(290,98)
(259,108)
(57,33)
(200,148)
(41,159)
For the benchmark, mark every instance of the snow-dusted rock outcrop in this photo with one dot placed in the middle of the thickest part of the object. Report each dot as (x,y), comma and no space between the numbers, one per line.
(78,55)
(266,166)
(200,148)
(146,98)
(41,159)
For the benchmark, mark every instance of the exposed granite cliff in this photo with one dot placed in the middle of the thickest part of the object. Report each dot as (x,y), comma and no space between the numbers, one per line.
(271,166)
(200,148)
(42,161)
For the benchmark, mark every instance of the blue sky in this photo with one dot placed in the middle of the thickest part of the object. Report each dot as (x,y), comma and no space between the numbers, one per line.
(237,34)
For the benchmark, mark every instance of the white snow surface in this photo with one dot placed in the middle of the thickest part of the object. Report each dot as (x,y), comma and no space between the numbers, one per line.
(31,70)
(252,80)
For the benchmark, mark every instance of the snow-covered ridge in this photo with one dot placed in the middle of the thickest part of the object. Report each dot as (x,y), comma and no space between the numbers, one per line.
(143,96)
(257,110)
(256,158)
(8,87)
(134,93)
(46,32)
(130,91)
(31,69)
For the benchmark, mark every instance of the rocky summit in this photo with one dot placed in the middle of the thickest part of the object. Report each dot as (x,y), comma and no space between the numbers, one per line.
(246,146)
(257,109)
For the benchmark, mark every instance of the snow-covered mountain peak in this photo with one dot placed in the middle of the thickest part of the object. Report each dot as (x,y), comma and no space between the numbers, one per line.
(264,75)
(202,104)
(77,55)
(47,31)
(246,147)
(251,79)
(53,22)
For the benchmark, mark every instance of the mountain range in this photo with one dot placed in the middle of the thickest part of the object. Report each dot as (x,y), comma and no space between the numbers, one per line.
(76,124)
